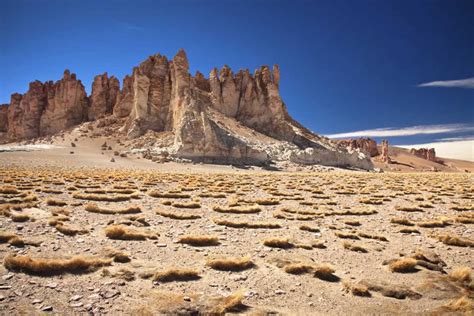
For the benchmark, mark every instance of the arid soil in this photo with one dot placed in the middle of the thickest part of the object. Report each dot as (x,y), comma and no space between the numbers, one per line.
(81,234)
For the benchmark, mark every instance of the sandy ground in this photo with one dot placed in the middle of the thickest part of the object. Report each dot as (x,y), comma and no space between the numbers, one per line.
(340,206)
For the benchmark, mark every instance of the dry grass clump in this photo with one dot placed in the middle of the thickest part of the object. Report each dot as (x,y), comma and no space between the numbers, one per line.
(465,219)
(408,208)
(352,223)
(441,222)
(19,218)
(463,305)
(402,221)
(228,304)
(453,240)
(409,231)
(309,229)
(55,202)
(230,264)
(69,230)
(9,189)
(123,233)
(117,255)
(78,264)
(177,215)
(461,275)
(102,197)
(244,209)
(462,208)
(94,208)
(354,247)
(6,236)
(168,195)
(268,201)
(356,289)
(298,268)
(372,236)
(276,242)
(199,241)
(325,271)
(239,224)
(174,274)
(371,201)
(346,235)
(192,204)
(405,265)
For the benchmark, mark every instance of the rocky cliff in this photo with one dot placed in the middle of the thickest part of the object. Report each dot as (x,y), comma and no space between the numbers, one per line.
(425,153)
(366,145)
(226,118)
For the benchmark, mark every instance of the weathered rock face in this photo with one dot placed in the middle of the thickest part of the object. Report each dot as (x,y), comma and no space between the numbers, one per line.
(228,118)
(123,104)
(103,96)
(384,152)
(24,112)
(67,105)
(3,118)
(425,153)
(47,108)
(366,145)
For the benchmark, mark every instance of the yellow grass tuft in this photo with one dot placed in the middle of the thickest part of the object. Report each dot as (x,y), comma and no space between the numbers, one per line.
(102,197)
(177,215)
(202,240)
(356,289)
(453,240)
(402,221)
(354,247)
(78,264)
(69,230)
(230,264)
(55,202)
(244,209)
(168,195)
(123,233)
(94,208)
(405,265)
(237,224)
(276,242)
(174,274)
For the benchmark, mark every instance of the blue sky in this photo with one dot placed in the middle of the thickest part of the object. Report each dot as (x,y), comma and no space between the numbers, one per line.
(345,65)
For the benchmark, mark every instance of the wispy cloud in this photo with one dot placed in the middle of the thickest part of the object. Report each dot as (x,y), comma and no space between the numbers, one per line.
(462,83)
(463,149)
(455,139)
(407,131)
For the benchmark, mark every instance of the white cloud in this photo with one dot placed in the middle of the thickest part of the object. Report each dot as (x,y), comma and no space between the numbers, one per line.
(463,150)
(407,131)
(462,83)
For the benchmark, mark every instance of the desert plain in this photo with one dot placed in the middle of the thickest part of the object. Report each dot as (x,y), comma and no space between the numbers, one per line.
(83,235)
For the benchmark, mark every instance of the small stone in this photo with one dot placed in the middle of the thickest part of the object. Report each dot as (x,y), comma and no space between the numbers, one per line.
(187,299)
(5,287)
(77,304)
(280,292)
(47,308)
(52,285)
(76,298)
(7,276)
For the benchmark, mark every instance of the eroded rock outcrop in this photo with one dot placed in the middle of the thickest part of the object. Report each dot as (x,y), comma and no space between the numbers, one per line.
(3,118)
(103,96)
(67,105)
(425,153)
(384,157)
(367,145)
(226,118)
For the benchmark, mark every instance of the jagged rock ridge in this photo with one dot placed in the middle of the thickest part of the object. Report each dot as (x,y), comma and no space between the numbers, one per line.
(227,118)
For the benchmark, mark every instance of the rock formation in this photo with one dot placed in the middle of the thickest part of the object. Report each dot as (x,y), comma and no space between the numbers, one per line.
(384,152)
(3,118)
(425,153)
(47,108)
(103,96)
(227,118)
(367,145)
